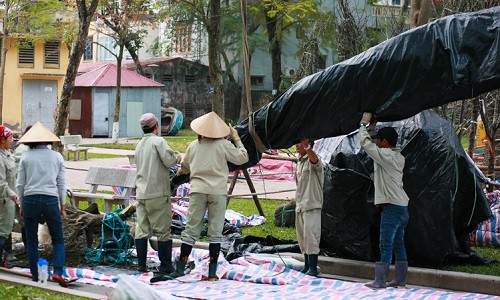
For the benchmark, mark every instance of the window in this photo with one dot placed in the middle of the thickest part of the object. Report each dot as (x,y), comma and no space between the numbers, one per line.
(89,49)
(189,111)
(257,80)
(103,53)
(51,52)
(321,62)
(182,38)
(189,78)
(26,57)
(168,77)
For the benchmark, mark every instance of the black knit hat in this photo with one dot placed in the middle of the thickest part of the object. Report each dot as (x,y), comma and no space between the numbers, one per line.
(389,134)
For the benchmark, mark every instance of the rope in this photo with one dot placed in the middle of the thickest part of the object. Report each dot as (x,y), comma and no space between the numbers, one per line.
(246,78)
(283,211)
(119,237)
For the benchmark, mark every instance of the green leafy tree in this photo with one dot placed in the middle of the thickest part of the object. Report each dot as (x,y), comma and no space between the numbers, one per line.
(280,17)
(86,10)
(208,14)
(123,22)
(35,22)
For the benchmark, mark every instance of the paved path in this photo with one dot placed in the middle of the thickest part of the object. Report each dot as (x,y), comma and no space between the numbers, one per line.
(77,170)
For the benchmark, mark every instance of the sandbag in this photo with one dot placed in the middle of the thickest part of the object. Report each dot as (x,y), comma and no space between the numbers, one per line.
(284,215)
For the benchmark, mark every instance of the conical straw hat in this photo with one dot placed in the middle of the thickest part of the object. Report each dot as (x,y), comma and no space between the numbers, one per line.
(210,125)
(38,134)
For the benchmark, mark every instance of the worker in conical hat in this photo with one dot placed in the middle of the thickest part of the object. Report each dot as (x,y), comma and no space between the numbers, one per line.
(206,161)
(41,186)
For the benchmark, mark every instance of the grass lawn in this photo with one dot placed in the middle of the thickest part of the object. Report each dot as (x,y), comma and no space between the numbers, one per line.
(9,291)
(177,143)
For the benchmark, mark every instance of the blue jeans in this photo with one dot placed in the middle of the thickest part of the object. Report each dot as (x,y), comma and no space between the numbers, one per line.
(393,221)
(34,207)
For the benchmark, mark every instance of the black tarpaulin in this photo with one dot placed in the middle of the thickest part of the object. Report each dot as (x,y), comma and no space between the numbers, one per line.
(452,58)
(446,199)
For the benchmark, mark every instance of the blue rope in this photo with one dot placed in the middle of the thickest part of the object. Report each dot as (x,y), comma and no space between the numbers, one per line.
(119,237)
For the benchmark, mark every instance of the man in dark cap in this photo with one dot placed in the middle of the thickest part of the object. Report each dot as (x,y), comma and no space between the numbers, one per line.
(390,197)
(153,158)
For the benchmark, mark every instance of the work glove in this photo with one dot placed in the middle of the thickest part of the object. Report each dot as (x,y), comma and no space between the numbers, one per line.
(365,120)
(233,133)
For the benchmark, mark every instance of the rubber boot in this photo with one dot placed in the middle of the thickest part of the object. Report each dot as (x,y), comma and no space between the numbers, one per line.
(381,271)
(213,250)
(2,244)
(165,256)
(306,264)
(400,270)
(8,249)
(313,265)
(141,247)
(180,265)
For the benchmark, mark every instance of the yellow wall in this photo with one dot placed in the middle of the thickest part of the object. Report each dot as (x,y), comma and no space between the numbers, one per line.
(13,82)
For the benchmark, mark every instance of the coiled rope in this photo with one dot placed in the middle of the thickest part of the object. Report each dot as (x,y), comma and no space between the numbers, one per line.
(116,246)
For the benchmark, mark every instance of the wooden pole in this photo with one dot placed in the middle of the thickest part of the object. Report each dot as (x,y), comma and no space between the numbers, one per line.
(231,186)
(252,189)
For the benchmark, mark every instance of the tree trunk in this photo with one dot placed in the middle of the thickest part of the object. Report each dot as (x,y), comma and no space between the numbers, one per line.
(275,50)
(420,11)
(215,68)
(85,14)
(116,115)
(3,54)
(463,103)
(473,128)
(135,57)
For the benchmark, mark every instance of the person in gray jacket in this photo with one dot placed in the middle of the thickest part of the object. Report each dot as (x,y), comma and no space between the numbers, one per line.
(390,197)
(153,158)
(309,198)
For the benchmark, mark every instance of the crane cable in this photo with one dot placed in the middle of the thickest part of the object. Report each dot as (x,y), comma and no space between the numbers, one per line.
(246,79)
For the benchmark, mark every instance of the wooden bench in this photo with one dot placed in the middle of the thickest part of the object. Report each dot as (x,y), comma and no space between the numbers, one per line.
(72,145)
(107,177)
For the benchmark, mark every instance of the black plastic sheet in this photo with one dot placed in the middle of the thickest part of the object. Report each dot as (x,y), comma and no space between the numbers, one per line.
(452,58)
(446,199)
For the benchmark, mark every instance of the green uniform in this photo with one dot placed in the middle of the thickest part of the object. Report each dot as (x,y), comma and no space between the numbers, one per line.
(206,162)
(8,172)
(154,157)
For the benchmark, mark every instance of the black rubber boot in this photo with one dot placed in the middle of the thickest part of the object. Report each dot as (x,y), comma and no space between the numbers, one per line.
(180,265)
(306,264)
(400,270)
(213,250)
(165,256)
(141,247)
(313,265)
(2,244)
(381,271)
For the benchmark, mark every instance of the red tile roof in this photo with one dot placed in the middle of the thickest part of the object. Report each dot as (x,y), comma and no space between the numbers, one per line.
(105,76)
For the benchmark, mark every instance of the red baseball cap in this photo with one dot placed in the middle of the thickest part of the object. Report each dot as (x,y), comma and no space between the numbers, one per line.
(5,132)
